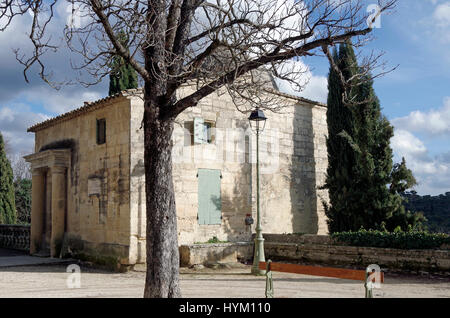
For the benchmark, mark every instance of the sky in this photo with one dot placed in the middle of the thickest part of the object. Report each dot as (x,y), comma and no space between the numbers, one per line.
(415,97)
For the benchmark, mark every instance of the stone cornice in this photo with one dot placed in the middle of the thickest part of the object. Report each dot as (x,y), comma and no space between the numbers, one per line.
(49,158)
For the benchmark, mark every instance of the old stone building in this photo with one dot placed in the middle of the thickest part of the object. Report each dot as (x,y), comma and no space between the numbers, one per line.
(88,175)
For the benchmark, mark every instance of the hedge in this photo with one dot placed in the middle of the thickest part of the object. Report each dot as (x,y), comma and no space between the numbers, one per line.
(397,239)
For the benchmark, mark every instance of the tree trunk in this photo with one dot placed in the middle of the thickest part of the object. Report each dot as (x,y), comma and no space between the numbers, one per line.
(162,279)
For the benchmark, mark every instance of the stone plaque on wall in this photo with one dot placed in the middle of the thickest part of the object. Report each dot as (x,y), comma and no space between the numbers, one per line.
(94,186)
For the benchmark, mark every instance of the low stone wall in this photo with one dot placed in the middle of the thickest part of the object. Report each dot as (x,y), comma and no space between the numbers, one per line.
(15,237)
(324,250)
(108,256)
(218,252)
(299,238)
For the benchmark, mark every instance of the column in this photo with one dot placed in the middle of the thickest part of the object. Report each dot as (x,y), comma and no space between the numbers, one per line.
(58,209)
(37,210)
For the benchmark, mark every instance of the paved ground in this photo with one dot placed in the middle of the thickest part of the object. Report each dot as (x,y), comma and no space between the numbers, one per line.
(51,281)
(10,258)
(6,252)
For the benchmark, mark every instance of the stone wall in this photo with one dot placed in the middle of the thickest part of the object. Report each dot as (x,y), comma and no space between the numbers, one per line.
(211,253)
(293,163)
(98,179)
(15,237)
(323,250)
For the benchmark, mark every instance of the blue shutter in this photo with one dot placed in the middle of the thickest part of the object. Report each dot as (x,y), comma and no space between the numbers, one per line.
(209,197)
(199,130)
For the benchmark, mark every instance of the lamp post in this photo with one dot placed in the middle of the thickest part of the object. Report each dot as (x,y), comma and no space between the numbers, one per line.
(257,123)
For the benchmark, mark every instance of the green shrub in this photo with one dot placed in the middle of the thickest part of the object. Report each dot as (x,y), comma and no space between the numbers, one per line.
(397,239)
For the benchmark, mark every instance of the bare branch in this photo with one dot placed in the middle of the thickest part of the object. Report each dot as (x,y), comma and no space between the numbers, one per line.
(213,43)
(120,50)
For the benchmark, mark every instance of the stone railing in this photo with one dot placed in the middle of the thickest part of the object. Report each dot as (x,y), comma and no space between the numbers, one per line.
(15,236)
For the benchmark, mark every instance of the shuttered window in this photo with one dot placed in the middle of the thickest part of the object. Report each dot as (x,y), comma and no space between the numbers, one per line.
(209,197)
(101,131)
(203,131)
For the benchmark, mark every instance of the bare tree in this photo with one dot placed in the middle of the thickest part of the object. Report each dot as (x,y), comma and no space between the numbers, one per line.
(209,44)
(8,148)
(21,168)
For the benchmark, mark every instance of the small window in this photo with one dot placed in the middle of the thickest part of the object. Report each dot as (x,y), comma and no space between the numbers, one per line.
(188,133)
(208,127)
(101,131)
(203,131)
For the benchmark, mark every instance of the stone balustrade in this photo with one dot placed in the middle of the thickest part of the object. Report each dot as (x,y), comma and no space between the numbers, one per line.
(15,236)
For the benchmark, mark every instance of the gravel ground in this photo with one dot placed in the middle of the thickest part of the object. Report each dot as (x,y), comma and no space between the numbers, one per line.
(236,282)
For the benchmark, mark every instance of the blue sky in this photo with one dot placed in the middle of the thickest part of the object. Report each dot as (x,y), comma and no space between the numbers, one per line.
(415,97)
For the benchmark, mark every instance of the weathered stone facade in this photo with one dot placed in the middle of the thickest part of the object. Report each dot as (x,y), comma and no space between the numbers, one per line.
(93,201)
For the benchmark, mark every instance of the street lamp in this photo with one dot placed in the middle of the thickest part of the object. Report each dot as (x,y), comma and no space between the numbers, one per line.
(257,123)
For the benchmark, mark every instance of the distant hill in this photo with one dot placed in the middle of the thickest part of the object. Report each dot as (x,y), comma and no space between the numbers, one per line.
(435,208)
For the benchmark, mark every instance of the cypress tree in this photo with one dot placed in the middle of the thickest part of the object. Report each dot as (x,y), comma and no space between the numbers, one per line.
(340,155)
(122,76)
(372,203)
(7,202)
(360,166)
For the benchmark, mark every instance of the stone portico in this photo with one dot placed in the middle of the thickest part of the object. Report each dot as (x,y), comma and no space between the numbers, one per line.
(49,200)
(88,176)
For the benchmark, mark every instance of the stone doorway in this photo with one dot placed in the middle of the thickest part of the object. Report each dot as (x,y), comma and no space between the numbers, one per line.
(49,201)
(44,248)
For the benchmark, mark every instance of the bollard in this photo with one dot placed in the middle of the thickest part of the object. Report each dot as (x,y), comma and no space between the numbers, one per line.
(269,281)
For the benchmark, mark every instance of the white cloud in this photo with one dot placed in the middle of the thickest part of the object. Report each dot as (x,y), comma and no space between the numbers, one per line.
(19,100)
(17,116)
(442,14)
(14,121)
(432,174)
(58,64)
(63,100)
(405,142)
(306,84)
(435,122)
(316,89)
(441,22)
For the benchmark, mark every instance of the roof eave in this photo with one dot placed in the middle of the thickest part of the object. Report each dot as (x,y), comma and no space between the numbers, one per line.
(83,109)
